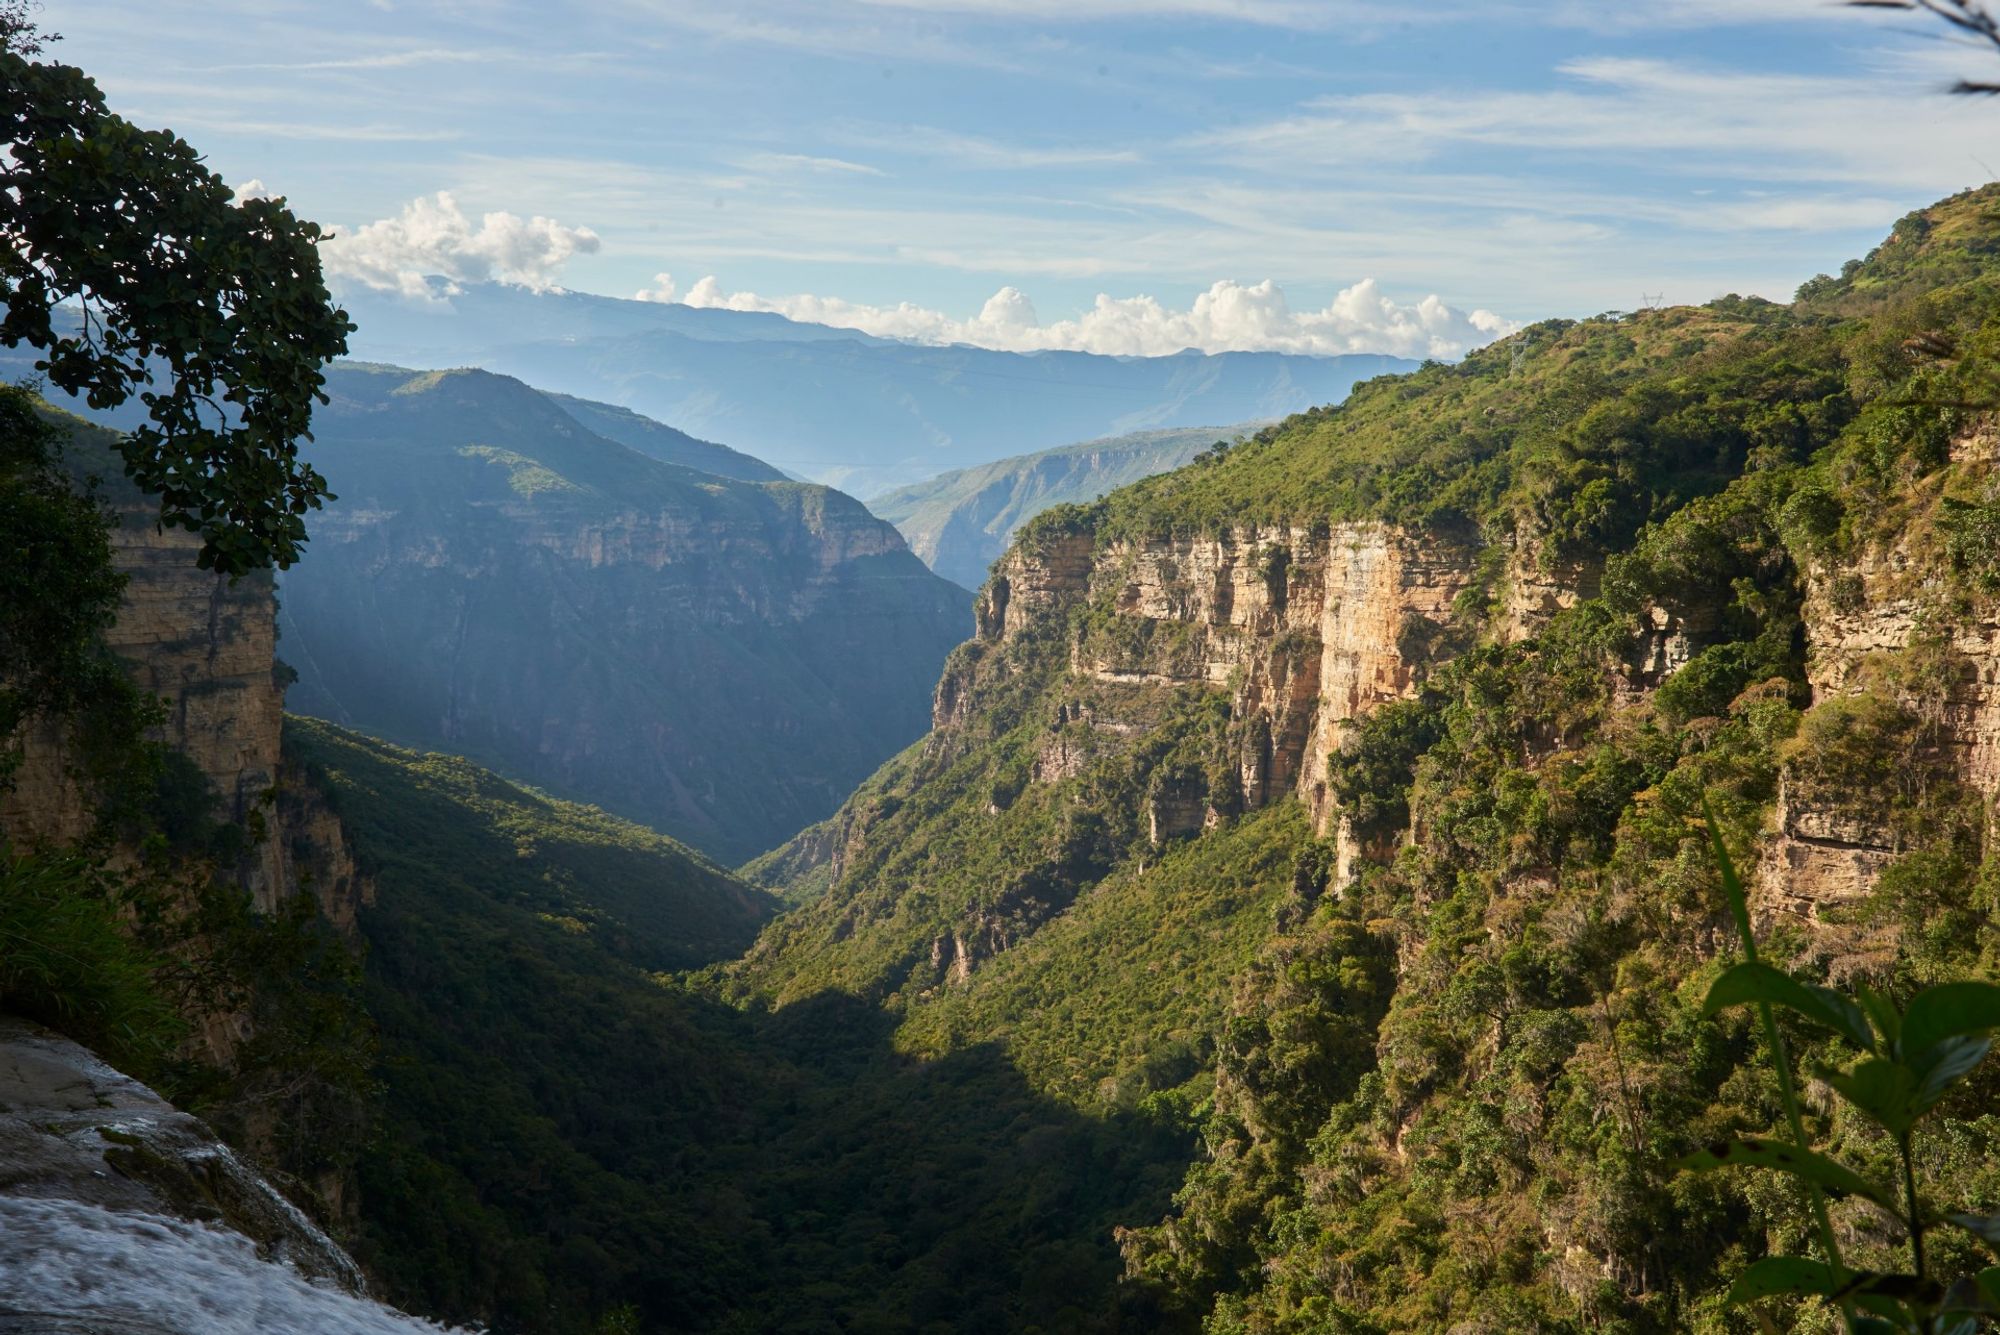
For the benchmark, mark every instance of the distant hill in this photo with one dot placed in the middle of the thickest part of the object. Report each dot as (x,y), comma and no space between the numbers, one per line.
(664,443)
(720,659)
(960,522)
(861,413)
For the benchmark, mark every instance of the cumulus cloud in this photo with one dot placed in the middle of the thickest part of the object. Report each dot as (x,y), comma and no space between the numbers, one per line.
(251,189)
(1228,317)
(432,237)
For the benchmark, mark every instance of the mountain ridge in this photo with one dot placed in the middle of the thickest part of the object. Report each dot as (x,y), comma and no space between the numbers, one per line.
(842,407)
(497,580)
(960,522)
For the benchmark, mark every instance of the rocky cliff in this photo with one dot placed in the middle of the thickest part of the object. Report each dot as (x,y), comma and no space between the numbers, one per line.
(1303,629)
(1348,787)
(204,645)
(123,1213)
(722,659)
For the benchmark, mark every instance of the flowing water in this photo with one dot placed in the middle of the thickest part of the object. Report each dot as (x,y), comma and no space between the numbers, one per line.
(67,1268)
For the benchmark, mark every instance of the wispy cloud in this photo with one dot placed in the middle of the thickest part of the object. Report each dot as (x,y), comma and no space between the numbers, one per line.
(981,153)
(776,162)
(388,60)
(335,131)
(1681,119)
(1273,13)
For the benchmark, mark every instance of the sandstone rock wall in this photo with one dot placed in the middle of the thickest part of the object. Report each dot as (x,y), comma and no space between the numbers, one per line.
(1861,618)
(206,645)
(1307,629)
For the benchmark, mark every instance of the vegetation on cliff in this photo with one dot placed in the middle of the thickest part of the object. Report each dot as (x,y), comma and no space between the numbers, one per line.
(568,1138)
(1451,1093)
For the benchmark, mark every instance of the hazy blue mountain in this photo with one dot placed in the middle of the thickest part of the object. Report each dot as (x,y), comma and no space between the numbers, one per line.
(960,522)
(664,443)
(720,659)
(864,414)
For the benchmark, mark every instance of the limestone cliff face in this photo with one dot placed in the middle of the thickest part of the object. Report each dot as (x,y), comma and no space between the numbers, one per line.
(205,646)
(1865,623)
(1306,629)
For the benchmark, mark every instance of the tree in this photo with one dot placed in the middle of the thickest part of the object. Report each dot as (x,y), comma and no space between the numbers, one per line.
(1968,16)
(130,265)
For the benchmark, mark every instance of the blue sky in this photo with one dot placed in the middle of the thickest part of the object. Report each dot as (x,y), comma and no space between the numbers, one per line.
(1286,173)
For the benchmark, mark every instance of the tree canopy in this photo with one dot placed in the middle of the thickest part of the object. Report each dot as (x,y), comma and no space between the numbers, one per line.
(136,271)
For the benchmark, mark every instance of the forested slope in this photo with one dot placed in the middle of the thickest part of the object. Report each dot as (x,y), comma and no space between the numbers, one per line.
(721,659)
(1341,795)
(566,1137)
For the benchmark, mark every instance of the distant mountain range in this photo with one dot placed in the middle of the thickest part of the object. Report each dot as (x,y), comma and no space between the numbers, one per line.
(835,405)
(960,522)
(721,658)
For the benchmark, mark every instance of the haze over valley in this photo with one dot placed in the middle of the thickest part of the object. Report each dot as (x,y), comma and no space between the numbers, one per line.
(1238,667)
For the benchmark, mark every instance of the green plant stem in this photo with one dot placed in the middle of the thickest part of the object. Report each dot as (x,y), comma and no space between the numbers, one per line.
(1911,1207)
(1780,1060)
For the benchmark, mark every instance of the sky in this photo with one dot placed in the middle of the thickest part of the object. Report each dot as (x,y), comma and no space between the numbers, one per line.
(1122,176)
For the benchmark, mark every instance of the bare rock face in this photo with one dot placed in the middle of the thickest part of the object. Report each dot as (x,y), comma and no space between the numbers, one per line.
(1860,618)
(74,1129)
(206,645)
(1031,580)
(1177,807)
(122,1215)
(1306,628)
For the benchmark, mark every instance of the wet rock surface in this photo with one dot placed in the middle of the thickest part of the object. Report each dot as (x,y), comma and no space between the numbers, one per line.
(73,1129)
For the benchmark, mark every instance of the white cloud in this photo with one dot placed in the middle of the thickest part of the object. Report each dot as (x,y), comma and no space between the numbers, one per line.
(973,152)
(775,162)
(1228,317)
(1275,13)
(251,189)
(433,237)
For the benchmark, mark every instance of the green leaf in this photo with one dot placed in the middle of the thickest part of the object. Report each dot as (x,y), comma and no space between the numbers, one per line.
(1732,887)
(1888,1022)
(1946,1011)
(1944,1065)
(1777,1276)
(1884,1090)
(1964,1295)
(1989,1283)
(1751,981)
(1835,1178)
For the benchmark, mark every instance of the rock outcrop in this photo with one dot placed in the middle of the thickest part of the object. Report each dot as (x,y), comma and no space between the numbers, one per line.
(205,645)
(1890,623)
(1306,629)
(119,1212)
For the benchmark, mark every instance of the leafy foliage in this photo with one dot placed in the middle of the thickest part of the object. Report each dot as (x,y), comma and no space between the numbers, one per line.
(223,299)
(1454,1095)
(567,1132)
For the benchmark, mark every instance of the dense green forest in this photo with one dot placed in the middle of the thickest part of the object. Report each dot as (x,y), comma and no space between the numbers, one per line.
(566,1129)
(1452,1094)
(1098,1008)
